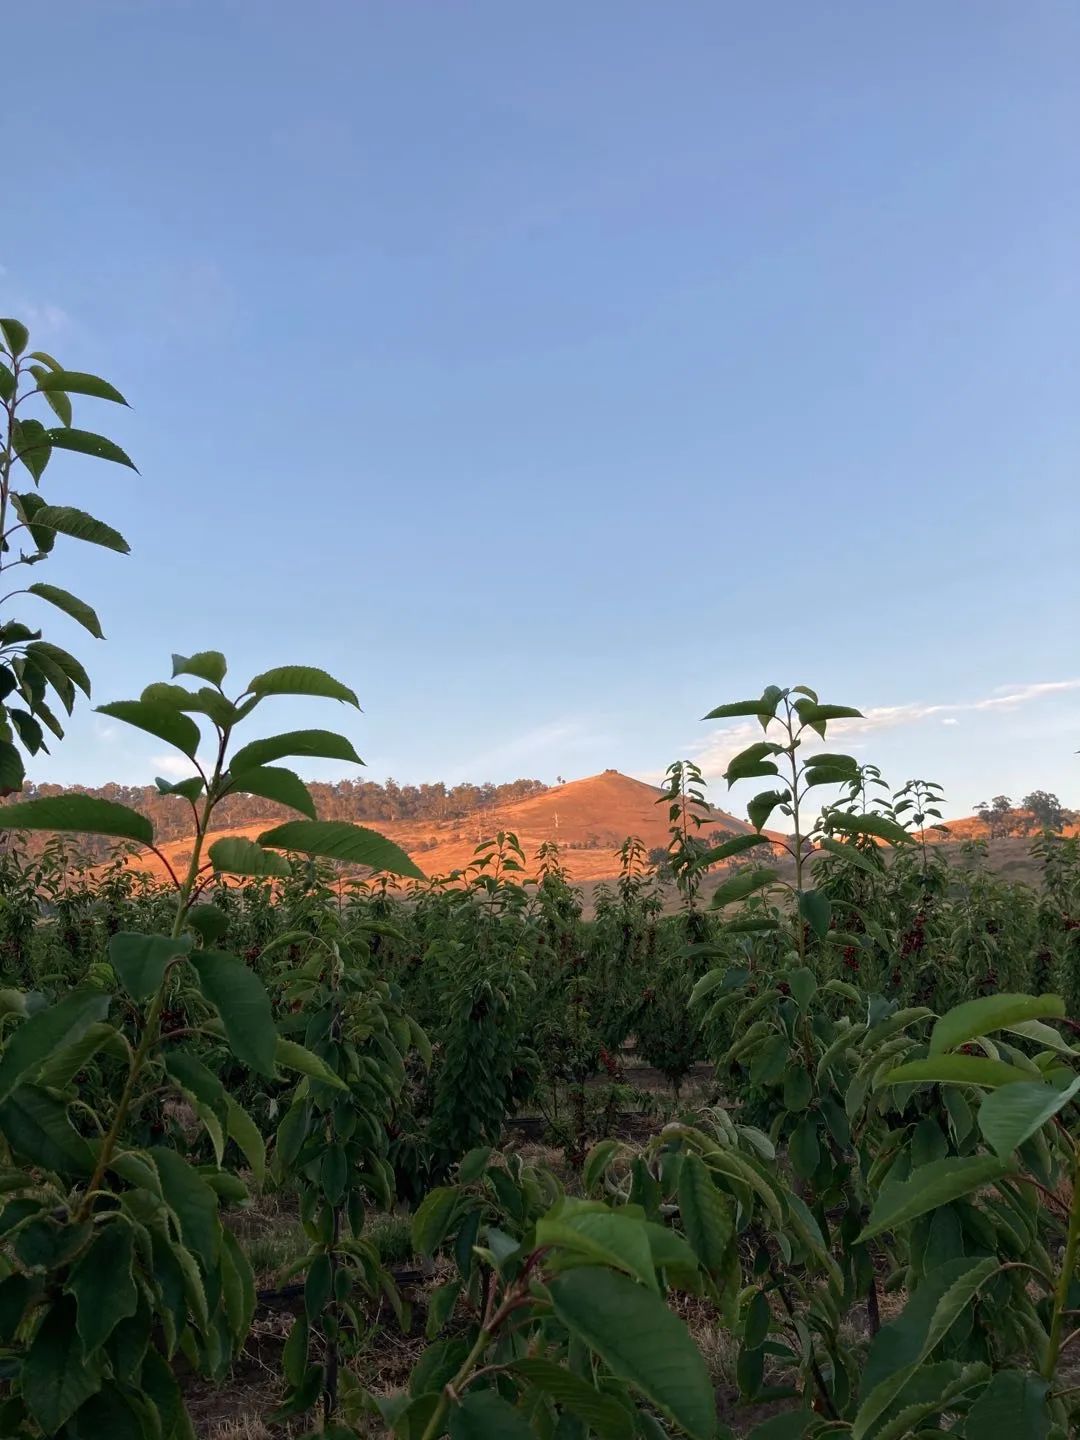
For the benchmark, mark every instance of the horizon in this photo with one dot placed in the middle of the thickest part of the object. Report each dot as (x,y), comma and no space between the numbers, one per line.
(596,368)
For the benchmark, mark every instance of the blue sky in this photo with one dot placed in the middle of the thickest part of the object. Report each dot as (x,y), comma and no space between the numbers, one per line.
(553,373)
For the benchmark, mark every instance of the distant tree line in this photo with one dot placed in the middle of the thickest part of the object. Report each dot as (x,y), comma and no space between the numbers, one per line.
(358,800)
(1038,811)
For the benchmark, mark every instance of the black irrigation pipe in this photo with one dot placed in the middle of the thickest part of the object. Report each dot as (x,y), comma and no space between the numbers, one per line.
(402,1275)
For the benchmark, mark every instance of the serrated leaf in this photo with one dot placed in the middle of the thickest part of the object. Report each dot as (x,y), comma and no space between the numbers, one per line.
(1014,1404)
(956,1070)
(320,744)
(816,910)
(37,1126)
(738,708)
(192,1201)
(602,1413)
(81,814)
(485,1415)
(161,721)
(76,382)
(433,1218)
(301,680)
(989,1013)
(1012,1114)
(605,1237)
(140,961)
(236,855)
(761,806)
(206,665)
(78,525)
(292,1056)
(57,1378)
(851,854)
(640,1341)
(84,442)
(339,840)
(274,782)
(248,1137)
(706,1215)
(103,1284)
(901,1346)
(35,1040)
(742,884)
(240,998)
(70,605)
(16,336)
(928,1186)
(735,846)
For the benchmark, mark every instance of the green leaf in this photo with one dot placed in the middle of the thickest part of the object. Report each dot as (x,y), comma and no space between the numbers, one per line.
(67,1060)
(243,1004)
(192,1201)
(248,1137)
(70,605)
(929,1186)
(75,382)
(433,1218)
(36,1039)
(851,854)
(301,680)
(322,744)
(57,1378)
(596,1162)
(803,1148)
(273,783)
(735,846)
(160,720)
(103,1284)
(743,883)
(237,856)
(761,806)
(206,665)
(30,442)
(901,1346)
(338,840)
(752,761)
(1012,1114)
(36,1126)
(602,1413)
(738,708)
(81,813)
(16,336)
(814,714)
(12,770)
(992,1012)
(956,1070)
(816,910)
(1013,1405)
(140,961)
(291,1056)
(485,1415)
(605,1237)
(706,1215)
(640,1341)
(41,651)
(189,789)
(78,525)
(877,825)
(86,443)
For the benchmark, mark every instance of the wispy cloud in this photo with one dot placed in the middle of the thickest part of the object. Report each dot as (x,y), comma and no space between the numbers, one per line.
(174,766)
(714,753)
(550,743)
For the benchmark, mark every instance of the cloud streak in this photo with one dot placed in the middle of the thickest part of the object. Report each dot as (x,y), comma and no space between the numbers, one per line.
(714,753)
